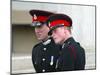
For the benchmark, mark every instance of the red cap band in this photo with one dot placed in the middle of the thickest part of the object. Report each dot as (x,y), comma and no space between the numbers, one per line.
(39,18)
(57,22)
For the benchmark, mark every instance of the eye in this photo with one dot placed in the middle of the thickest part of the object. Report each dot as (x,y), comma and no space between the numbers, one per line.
(55,30)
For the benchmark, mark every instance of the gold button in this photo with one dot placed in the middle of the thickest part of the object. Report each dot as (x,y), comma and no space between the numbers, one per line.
(44,49)
(43,59)
(43,70)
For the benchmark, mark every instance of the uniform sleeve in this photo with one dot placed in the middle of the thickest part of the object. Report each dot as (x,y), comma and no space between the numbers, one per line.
(80,61)
(66,61)
(34,53)
(33,57)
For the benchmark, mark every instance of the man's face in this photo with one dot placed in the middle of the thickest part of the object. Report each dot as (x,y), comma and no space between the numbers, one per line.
(41,32)
(58,35)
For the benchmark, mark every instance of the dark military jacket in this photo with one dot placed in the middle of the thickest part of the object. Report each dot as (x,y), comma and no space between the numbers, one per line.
(72,56)
(45,55)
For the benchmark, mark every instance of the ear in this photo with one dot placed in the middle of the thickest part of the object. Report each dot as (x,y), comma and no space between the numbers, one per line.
(64,30)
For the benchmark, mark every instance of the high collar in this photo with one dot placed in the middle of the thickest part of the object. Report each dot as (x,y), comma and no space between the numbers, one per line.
(47,41)
(69,39)
(67,42)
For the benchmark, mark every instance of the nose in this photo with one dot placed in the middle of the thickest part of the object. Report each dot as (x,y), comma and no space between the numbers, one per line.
(37,30)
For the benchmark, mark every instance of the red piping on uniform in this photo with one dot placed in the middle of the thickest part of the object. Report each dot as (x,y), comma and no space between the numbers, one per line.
(73,52)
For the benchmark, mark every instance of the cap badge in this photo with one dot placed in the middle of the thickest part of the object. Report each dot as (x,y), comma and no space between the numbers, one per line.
(49,24)
(35,17)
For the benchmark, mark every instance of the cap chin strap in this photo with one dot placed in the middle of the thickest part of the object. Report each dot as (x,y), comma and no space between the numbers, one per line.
(52,28)
(56,27)
(36,23)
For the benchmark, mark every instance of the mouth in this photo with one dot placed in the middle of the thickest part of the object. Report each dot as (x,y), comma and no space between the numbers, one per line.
(54,38)
(39,34)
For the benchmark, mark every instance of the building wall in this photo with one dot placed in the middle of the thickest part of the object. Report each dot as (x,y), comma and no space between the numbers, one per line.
(23,39)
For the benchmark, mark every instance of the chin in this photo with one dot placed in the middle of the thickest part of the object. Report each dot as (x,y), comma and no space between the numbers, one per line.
(39,39)
(57,42)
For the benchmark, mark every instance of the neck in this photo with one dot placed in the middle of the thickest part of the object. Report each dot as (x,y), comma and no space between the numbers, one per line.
(45,39)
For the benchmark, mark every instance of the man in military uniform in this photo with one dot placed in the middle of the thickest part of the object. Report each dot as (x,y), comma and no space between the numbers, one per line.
(45,53)
(72,55)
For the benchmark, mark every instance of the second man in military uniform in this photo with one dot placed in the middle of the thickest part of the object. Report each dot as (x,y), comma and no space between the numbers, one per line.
(72,54)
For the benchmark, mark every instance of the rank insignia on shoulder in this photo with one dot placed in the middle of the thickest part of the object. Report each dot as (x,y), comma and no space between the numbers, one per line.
(35,17)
